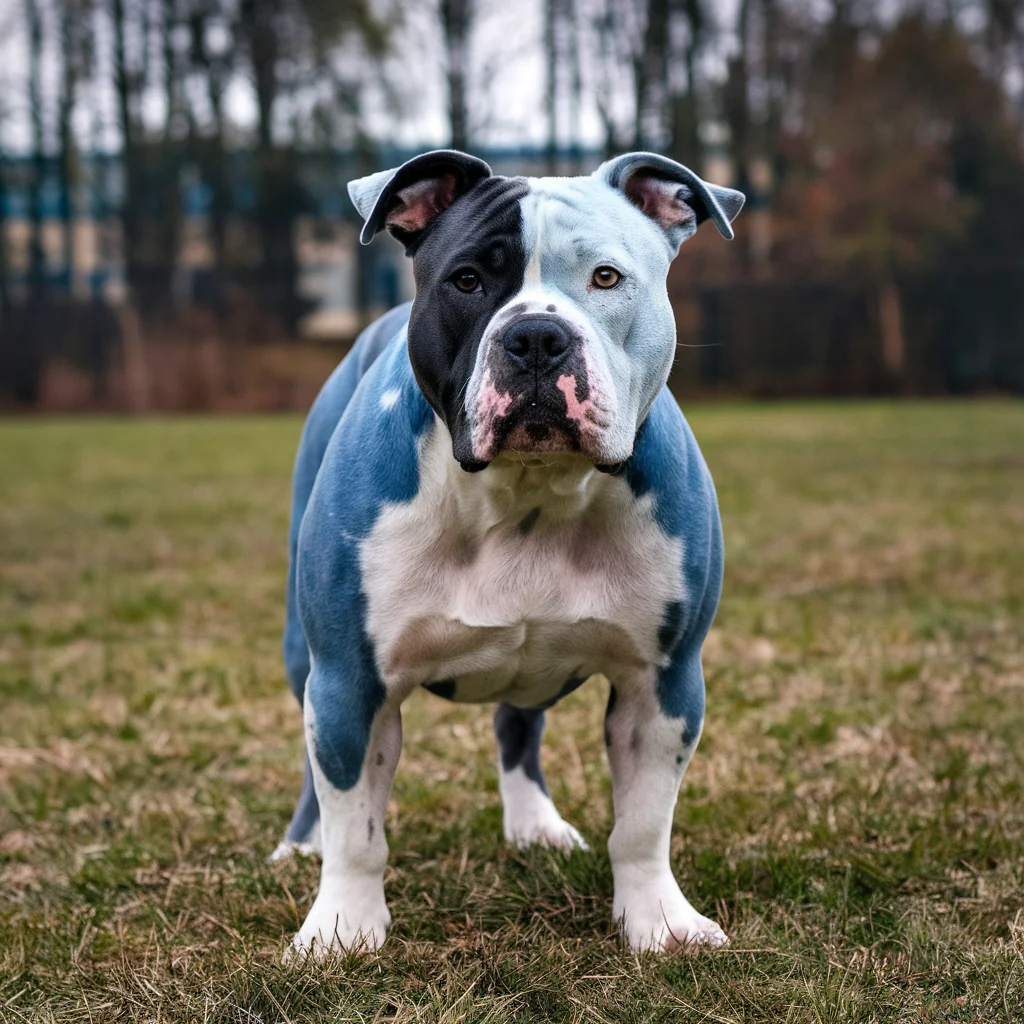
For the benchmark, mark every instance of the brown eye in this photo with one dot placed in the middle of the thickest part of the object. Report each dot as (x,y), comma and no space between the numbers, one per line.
(466,280)
(606,277)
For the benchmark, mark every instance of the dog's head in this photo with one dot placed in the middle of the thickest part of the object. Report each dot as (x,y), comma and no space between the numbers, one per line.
(541,321)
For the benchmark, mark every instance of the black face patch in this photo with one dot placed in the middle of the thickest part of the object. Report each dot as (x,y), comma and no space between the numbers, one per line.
(479,235)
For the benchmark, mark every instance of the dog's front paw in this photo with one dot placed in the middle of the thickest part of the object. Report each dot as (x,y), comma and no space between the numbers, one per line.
(333,926)
(656,916)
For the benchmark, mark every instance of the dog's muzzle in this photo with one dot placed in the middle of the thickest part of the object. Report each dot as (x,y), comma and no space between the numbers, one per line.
(538,393)
(540,363)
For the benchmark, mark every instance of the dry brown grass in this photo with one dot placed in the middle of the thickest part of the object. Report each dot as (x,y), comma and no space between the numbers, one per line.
(853,816)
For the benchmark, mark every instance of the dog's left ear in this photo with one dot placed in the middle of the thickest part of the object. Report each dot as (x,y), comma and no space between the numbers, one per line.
(673,196)
(407,199)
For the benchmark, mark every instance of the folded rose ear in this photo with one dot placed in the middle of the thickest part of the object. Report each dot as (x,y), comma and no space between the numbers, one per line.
(407,199)
(673,196)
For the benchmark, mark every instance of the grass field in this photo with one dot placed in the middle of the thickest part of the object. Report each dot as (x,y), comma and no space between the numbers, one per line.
(854,816)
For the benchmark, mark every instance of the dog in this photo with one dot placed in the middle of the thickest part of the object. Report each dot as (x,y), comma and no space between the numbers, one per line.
(495,498)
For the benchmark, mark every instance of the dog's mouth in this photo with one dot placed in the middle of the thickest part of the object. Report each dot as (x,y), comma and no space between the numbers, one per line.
(534,428)
(535,415)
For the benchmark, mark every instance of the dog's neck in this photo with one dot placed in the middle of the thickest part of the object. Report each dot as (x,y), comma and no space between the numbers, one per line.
(563,485)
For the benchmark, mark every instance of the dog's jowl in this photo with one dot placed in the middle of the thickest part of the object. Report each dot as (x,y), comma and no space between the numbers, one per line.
(496,498)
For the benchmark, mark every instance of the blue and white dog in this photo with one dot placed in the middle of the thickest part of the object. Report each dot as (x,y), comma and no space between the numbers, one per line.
(495,498)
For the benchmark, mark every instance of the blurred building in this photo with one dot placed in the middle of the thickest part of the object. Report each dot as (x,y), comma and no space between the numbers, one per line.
(340,282)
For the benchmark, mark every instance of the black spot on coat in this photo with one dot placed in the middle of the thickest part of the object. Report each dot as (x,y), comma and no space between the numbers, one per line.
(612,698)
(443,688)
(529,521)
(671,629)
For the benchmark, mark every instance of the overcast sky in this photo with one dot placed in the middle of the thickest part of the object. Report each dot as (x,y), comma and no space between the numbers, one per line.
(506,54)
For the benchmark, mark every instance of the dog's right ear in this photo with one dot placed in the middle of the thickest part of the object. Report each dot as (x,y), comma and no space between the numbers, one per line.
(407,199)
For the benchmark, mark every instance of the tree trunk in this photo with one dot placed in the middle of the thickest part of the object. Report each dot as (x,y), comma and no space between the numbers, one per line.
(68,45)
(890,318)
(607,36)
(219,193)
(651,77)
(575,83)
(686,146)
(5,295)
(737,99)
(276,184)
(212,156)
(167,175)
(456,22)
(551,89)
(737,110)
(132,340)
(136,364)
(774,72)
(36,265)
(129,157)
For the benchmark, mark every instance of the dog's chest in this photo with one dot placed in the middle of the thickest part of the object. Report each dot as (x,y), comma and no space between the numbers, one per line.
(517,587)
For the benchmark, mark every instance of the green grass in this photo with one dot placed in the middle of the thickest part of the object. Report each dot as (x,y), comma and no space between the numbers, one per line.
(854,816)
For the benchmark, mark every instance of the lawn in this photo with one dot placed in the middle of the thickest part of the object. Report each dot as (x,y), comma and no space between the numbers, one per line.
(854,816)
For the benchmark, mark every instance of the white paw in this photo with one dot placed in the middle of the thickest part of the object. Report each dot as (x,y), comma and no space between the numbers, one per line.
(360,923)
(657,916)
(287,848)
(550,830)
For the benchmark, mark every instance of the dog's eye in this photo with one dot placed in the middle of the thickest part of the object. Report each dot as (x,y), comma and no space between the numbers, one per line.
(606,277)
(466,280)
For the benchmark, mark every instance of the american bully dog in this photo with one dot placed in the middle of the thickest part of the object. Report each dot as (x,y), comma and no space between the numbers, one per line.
(496,498)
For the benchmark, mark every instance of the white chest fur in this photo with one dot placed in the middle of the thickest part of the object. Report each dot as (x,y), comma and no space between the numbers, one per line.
(512,581)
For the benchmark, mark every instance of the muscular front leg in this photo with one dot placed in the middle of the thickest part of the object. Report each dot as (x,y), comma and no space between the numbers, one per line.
(530,816)
(648,752)
(350,910)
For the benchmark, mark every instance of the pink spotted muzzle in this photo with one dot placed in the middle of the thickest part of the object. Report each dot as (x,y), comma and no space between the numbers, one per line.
(539,393)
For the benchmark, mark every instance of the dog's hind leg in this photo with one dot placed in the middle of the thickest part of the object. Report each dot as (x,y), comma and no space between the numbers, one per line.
(529,814)
(303,832)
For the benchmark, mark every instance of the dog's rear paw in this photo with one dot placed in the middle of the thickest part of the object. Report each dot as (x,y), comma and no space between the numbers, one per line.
(660,918)
(287,848)
(551,831)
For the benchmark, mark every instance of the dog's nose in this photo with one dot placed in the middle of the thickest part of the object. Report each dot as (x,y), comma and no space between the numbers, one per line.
(539,342)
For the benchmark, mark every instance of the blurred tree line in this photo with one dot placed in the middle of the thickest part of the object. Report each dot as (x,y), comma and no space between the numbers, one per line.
(879,143)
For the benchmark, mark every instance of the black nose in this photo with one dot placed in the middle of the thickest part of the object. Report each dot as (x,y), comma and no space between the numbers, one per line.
(538,342)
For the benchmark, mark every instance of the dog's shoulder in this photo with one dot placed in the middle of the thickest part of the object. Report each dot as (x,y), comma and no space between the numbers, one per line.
(667,464)
(371,457)
(334,397)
